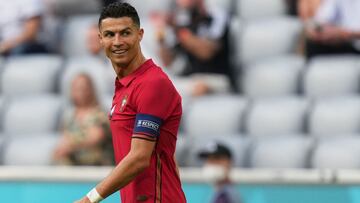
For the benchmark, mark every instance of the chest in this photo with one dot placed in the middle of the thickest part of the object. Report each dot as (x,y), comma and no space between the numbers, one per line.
(123,105)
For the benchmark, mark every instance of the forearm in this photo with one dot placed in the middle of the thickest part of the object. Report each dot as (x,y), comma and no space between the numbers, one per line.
(166,55)
(123,173)
(29,33)
(202,48)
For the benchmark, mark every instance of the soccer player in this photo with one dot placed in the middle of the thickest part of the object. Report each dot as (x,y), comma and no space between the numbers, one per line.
(144,117)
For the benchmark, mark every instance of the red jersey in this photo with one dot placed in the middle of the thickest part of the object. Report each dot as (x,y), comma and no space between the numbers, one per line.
(146,103)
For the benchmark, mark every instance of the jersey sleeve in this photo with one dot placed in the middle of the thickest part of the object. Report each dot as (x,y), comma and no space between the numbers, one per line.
(155,103)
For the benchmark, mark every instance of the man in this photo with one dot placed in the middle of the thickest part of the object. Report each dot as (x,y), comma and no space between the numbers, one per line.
(335,29)
(20,25)
(144,117)
(202,36)
(216,169)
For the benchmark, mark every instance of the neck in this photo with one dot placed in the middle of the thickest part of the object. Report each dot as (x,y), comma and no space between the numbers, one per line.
(124,70)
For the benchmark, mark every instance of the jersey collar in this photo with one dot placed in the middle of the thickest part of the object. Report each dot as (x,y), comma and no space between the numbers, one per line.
(125,81)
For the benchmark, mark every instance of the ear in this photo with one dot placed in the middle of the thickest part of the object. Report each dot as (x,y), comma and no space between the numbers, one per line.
(100,38)
(141,34)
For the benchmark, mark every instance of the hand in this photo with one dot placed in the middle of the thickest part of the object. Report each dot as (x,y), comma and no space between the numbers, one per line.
(183,35)
(83,200)
(331,34)
(6,46)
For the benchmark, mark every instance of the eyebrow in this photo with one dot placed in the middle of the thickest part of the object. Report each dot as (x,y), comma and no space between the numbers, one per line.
(123,30)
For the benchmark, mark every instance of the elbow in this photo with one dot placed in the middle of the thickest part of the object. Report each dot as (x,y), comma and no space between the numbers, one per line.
(142,163)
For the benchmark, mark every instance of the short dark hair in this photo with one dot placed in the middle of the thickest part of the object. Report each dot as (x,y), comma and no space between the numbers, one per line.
(118,10)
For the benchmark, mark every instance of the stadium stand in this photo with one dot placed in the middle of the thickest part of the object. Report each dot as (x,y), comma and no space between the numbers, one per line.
(286,105)
(270,37)
(100,71)
(275,77)
(73,38)
(289,151)
(36,149)
(32,114)
(237,143)
(276,116)
(338,152)
(260,9)
(337,115)
(30,75)
(215,115)
(342,71)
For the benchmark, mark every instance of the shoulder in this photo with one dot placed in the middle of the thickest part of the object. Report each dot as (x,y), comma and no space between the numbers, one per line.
(155,77)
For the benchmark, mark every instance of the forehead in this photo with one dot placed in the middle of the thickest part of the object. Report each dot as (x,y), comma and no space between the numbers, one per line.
(116,24)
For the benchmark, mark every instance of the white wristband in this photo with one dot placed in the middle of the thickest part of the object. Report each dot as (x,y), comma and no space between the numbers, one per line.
(94,196)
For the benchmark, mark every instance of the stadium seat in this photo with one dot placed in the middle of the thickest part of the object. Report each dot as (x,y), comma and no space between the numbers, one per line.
(146,7)
(332,76)
(278,76)
(182,149)
(341,152)
(228,5)
(32,114)
(269,37)
(31,74)
(74,7)
(101,73)
(289,151)
(2,147)
(1,61)
(338,115)
(74,36)
(3,103)
(255,9)
(237,143)
(215,115)
(276,116)
(36,149)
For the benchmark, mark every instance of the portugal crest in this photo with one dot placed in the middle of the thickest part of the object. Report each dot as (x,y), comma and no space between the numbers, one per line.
(123,103)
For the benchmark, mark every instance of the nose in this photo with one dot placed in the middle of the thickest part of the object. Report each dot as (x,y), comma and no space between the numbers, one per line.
(118,40)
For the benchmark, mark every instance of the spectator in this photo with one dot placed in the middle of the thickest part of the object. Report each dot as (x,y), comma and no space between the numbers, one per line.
(93,42)
(217,166)
(202,36)
(86,136)
(306,9)
(335,29)
(20,24)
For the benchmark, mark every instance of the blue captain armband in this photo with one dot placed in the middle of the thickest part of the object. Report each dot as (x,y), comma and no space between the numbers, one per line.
(146,124)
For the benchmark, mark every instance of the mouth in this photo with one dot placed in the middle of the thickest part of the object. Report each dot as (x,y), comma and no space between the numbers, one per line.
(119,51)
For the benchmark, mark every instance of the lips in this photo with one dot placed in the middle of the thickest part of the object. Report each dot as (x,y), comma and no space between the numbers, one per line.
(119,51)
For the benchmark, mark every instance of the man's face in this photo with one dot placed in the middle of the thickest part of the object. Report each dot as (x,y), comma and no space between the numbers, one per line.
(120,38)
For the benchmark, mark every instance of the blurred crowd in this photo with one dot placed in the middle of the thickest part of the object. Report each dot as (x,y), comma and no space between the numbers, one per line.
(192,43)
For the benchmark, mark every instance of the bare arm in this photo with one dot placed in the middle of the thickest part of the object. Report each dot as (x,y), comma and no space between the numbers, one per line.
(177,166)
(200,47)
(31,28)
(166,54)
(135,162)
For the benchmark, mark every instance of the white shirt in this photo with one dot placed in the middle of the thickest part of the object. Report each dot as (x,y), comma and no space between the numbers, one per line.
(343,13)
(13,14)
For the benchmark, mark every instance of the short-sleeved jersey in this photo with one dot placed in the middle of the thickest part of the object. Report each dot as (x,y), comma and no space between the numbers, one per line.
(147,105)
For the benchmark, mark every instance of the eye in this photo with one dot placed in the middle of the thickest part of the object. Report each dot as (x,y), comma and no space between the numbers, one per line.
(126,33)
(109,34)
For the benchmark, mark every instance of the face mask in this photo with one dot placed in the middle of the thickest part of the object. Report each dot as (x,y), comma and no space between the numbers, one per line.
(214,173)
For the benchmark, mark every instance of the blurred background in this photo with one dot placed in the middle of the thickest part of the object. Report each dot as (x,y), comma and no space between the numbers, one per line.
(270,89)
